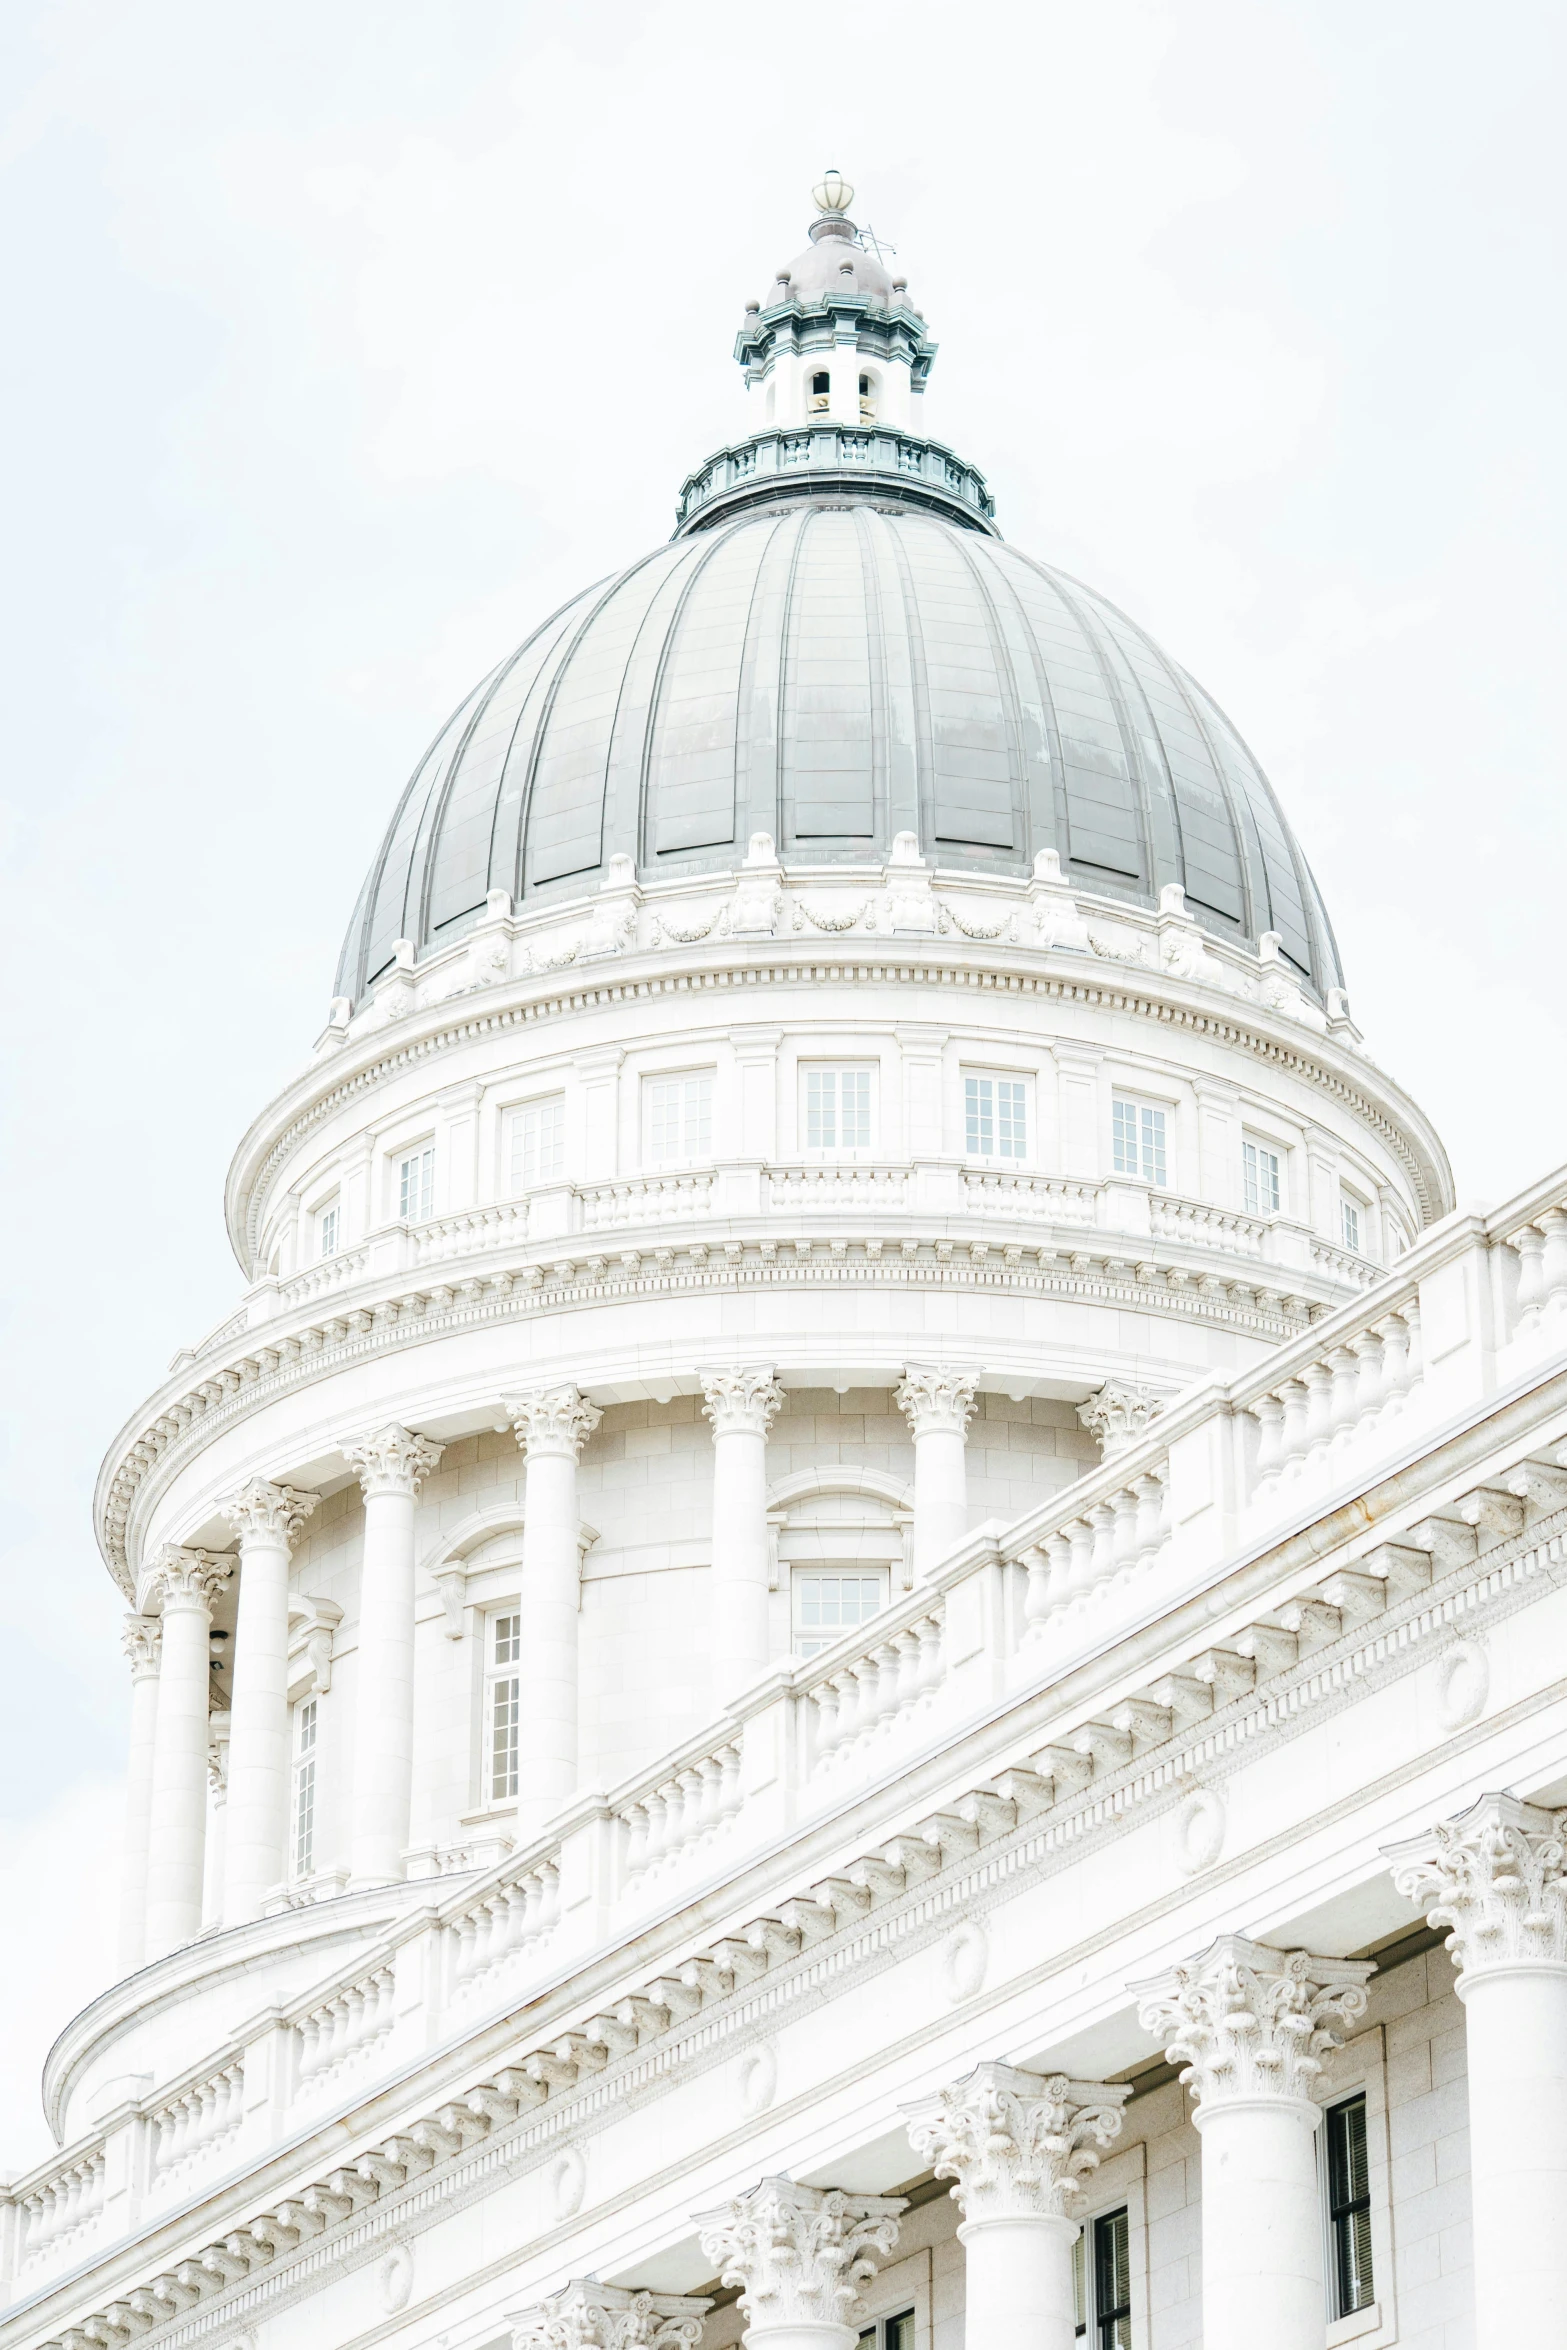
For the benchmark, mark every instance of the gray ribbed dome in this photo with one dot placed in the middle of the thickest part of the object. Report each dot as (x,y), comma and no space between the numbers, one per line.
(836,674)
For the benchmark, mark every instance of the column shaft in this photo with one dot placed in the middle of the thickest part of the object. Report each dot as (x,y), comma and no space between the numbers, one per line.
(938,1403)
(391,1465)
(1262,2275)
(552,1425)
(740,1405)
(1018,2283)
(179,1752)
(1517,2051)
(256,1832)
(143,1636)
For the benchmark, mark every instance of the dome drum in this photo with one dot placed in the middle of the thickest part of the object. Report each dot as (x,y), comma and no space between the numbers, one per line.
(879,467)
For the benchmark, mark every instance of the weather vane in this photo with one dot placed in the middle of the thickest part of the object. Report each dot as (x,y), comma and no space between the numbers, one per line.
(877,245)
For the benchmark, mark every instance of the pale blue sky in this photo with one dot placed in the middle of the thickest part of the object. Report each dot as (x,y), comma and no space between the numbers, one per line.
(344,342)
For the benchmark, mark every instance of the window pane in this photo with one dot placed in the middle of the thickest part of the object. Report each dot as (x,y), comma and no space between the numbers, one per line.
(416,1186)
(1124,1115)
(329,1232)
(1080,2281)
(1349,2206)
(304,1838)
(1113,2281)
(679,1118)
(1137,1134)
(828,1605)
(1351,1225)
(1153,1144)
(505,1713)
(854,1096)
(978,1116)
(821,1110)
(1011,1119)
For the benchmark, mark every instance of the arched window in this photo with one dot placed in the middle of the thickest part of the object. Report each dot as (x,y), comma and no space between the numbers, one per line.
(867,399)
(843,1551)
(821,388)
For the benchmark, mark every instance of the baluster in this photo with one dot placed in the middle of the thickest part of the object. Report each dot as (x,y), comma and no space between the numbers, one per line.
(1150,1517)
(1036,1592)
(1371,1390)
(634,1821)
(1080,1535)
(1530,1245)
(1058,1585)
(1268,1412)
(1124,1536)
(908,1648)
(1417,1358)
(1295,1434)
(823,1719)
(932,1656)
(847,1686)
(1554,1268)
(462,1927)
(1394,1334)
(1102,1519)
(1317,1380)
(1343,1394)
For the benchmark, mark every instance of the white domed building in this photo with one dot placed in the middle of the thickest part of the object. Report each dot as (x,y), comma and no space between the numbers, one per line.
(864,1497)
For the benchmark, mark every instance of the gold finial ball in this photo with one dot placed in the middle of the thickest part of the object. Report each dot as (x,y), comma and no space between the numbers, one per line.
(833,192)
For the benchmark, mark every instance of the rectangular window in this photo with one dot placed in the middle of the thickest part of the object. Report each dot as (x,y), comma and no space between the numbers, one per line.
(1102,2282)
(679,1119)
(538,1143)
(1137,1132)
(416,1186)
(1349,2207)
(1260,1179)
(304,1787)
(837,1109)
(995,1117)
(326,1231)
(826,1605)
(505,1705)
(1351,1215)
(890,2333)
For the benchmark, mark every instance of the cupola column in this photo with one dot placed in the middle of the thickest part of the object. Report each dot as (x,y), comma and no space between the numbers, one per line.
(391,1463)
(741,1404)
(183,1582)
(938,1403)
(552,1425)
(266,1517)
(143,1638)
(1017,2144)
(1496,1877)
(1250,2025)
(799,2256)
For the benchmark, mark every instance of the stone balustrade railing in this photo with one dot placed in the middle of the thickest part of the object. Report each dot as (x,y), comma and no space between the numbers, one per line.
(191,2124)
(62,2207)
(339,2028)
(686,1811)
(517,1912)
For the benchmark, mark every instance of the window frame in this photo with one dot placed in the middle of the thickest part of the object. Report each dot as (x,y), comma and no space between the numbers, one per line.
(1254,1147)
(1088,2266)
(501,1673)
(327,1230)
(803,1571)
(513,1120)
(818,1065)
(879,2334)
(976,1074)
(406,1155)
(705,1073)
(1145,1106)
(1359,2069)
(303,1784)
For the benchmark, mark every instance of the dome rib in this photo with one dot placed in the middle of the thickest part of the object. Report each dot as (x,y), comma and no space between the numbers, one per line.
(834,671)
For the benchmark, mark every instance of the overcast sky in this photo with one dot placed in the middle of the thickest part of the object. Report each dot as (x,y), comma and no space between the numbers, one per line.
(344,341)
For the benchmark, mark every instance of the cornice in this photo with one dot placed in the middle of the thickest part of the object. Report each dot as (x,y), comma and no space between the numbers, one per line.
(1040,974)
(588,1270)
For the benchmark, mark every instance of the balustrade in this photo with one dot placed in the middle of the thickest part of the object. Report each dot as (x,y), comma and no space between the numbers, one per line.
(354,2019)
(896,1675)
(644,1199)
(1335,1399)
(63,2206)
(681,1814)
(516,1913)
(195,2121)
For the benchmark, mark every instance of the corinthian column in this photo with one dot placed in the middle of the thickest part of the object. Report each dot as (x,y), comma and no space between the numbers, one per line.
(1017,2144)
(741,1405)
(588,2316)
(391,1463)
(142,1636)
(800,2256)
(938,1403)
(184,1582)
(1496,1877)
(1250,2025)
(552,1425)
(266,1518)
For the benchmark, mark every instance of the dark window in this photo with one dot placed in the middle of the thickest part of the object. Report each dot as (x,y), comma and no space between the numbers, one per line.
(1102,2278)
(819,383)
(865,387)
(1349,2207)
(890,2333)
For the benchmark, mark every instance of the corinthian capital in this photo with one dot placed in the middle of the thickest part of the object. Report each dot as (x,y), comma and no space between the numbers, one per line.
(262,1511)
(187,1578)
(390,1459)
(1497,1877)
(799,2254)
(936,1399)
(587,2316)
(740,1401)
(556,1420)
(1249,2022)
(1119,1414)
(1015,2143)
(142,1639)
